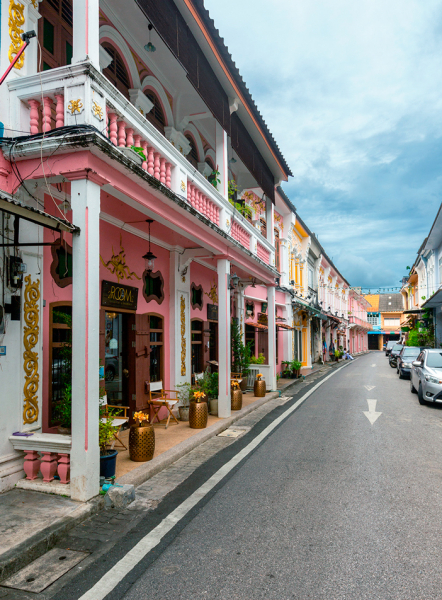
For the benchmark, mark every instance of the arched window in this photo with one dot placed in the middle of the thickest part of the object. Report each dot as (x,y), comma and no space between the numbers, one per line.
(192,157)
(116,72)
(156,114)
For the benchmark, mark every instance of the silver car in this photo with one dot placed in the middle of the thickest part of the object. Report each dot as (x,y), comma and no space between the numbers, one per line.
(426,376)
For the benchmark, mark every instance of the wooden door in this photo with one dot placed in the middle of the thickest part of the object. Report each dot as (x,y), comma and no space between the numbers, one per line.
(142,362)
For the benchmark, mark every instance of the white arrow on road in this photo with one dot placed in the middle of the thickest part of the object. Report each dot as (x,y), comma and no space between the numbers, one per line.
(371,414)
(369,387)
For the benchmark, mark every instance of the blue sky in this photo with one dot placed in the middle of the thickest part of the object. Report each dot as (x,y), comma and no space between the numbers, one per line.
(352,92)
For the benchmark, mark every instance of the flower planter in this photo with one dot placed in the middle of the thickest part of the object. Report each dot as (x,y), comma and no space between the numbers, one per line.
(236,399)
(184,413)
(213,406)
(141,443)
(108,464)
(198,415)
(259,388)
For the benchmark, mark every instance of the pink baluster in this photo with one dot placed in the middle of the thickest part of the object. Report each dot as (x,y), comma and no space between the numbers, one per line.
(156,165)
(144,146)
(48,465)
(47,114)
(59,110)
(217,215)
(197,199)
(204,207)
(34,104)
(31,466)
(189,193)
(121,134)
(113,128)
(137,140)
(163,170)
(129,137)
(64,467)
(151,161)
(192,195)
(168,174)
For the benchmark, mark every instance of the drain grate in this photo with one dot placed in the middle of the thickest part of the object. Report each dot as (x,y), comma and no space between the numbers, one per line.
(41,573)
(233,432)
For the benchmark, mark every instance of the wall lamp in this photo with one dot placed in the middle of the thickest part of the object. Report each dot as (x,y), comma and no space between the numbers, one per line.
(149,47)
(149,257)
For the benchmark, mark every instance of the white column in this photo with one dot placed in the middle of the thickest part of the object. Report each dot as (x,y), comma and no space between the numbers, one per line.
(86,41)
(223,268)
(240,312)
(85,454)
(222,161)
(284,262)
(180,339)
(271,294)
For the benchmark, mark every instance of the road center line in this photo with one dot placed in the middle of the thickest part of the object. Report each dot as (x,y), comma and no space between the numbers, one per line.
(117,573)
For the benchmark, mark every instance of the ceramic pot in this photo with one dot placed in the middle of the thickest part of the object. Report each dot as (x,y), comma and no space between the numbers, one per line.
(259,388)
(243,384)
(141,443)
(236,399)
(213,406)
(184,413)
(198,414)
(108,464)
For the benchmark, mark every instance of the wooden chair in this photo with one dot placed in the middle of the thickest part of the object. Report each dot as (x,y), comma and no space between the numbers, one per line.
(159,397)
(118,421)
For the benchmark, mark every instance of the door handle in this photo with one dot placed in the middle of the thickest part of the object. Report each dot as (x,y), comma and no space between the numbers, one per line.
(125,372)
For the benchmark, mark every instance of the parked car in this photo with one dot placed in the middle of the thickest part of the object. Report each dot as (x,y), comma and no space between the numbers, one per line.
(111,367)
(426,376)
(389,346)
(406,356)
(394,353)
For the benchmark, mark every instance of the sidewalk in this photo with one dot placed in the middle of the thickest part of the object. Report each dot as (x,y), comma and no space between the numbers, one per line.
(31,523)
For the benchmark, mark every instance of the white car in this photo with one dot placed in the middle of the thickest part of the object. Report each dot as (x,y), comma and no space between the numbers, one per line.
(426,376)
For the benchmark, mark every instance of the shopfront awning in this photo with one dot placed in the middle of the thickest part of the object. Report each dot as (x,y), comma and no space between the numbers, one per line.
(12,206)
(434,301)
(258,326)
(284,326)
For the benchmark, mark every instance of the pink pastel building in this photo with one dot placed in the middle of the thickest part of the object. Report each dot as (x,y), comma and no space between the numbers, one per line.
(130,138)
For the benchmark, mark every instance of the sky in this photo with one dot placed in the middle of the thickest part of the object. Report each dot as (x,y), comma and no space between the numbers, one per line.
(352,93)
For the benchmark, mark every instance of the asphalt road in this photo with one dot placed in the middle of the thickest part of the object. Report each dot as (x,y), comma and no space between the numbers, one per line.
(329,507)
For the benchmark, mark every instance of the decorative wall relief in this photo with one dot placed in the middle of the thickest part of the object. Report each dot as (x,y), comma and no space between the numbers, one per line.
(61,266)
(196,292)
(30,340)
(97,111)
(16,20)
(75,106)
(183,335)
(153,286)
(117,264)
(213,294)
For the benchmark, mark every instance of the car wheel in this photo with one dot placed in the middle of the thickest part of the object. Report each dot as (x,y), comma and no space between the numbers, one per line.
(109,374)
(392,365)
(412,388)
(420,395)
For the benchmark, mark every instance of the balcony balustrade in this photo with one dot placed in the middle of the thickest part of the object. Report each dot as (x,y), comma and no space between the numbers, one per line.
(79,94)
(360,323)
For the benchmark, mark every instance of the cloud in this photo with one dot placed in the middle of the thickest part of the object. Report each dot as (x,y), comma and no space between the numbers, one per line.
(351,92)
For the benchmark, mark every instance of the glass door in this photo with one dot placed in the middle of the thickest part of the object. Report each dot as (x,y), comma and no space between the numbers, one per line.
(114,357)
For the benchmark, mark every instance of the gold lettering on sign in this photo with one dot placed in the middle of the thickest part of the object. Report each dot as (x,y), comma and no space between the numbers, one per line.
(30,340)
(16,20)
(120,294)
(183,335)
(117,264)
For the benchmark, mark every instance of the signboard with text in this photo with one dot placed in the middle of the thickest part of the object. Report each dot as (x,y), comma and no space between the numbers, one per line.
(212,312)
(119,296)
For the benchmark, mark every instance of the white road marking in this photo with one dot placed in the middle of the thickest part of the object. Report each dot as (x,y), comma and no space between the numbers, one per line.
(369,387)
(373,365)
(371,414)
(117,573)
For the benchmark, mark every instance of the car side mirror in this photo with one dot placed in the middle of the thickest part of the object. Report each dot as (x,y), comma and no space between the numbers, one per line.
(416,363)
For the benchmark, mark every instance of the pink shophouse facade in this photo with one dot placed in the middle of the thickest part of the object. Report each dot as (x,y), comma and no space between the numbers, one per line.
(81,208)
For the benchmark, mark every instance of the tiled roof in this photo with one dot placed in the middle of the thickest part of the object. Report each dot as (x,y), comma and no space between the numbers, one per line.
(391,303)
(374,301)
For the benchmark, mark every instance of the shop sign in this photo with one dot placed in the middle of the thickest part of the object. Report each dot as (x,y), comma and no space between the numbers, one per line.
(263,319)
(117,295)
(212,312)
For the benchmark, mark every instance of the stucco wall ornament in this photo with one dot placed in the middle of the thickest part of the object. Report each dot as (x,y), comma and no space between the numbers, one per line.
(30,340)
(117,264)
(213,294)
(182,186)
(183,335)
(16,20)
(75,106)
(97,111)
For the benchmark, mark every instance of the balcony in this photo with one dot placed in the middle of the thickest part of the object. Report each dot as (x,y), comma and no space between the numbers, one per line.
(81,95)
(356,322)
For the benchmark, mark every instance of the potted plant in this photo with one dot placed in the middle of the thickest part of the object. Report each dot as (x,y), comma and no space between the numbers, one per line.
(184,391)
(213,394)
(259,387)
(295,366)
(198,412)
(235,396)
(108,457)
(141,438)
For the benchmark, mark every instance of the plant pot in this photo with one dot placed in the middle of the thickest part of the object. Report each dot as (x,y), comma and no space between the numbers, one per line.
(64,430)
(108,463)
(243,384)
(141,443)
(198,414)
(213,406)
(259,388)
(184,413)
(236,399)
